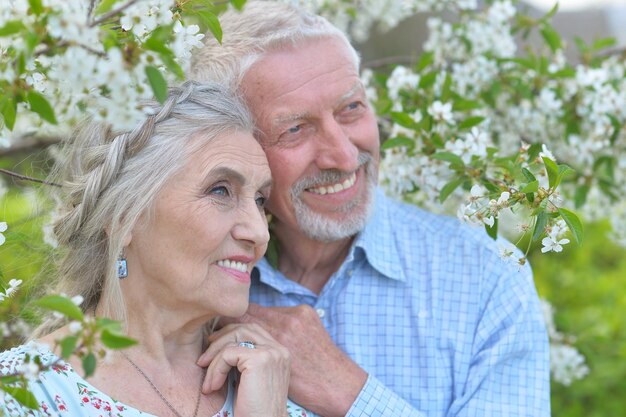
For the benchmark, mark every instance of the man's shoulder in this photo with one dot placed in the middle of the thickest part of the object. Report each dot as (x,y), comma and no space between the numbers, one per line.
(406,218)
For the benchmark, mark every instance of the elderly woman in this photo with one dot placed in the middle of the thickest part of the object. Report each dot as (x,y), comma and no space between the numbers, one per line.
(162,226)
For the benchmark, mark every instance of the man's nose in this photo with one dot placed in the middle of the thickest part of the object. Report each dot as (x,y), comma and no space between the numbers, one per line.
(335,148)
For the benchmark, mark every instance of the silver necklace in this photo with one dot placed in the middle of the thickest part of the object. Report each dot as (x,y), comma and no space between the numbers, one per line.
(167,403)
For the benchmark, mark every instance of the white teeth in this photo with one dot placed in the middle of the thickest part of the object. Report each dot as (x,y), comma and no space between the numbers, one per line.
(239,266)
(331,189)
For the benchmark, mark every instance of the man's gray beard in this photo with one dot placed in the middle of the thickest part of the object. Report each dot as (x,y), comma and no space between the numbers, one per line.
(318,227)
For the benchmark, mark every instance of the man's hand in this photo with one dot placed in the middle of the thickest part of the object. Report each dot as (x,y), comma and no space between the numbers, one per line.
(323,378)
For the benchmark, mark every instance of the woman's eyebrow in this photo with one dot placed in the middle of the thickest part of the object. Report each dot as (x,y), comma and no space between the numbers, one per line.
(234,175)
(227,172)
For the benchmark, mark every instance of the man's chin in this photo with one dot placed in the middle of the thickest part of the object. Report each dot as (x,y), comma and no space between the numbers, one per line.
(335,226)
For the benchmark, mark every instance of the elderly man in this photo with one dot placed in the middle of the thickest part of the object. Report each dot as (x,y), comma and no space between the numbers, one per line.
(387,310)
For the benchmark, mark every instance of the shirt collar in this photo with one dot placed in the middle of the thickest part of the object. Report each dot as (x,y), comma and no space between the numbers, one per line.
(378,240)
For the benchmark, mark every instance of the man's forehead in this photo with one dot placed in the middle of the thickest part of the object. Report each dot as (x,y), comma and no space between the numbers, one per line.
(283,116)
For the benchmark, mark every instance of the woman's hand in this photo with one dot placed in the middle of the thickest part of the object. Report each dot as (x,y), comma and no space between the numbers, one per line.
(264,380)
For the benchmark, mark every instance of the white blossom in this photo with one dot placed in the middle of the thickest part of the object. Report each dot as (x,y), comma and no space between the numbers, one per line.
(552,243)
(441,112)
(3,228)
(75,327)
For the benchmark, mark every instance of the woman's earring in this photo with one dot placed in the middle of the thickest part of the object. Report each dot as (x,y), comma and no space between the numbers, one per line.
(122,266)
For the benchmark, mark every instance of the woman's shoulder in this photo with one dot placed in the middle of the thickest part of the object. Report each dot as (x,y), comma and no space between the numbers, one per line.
(17,359)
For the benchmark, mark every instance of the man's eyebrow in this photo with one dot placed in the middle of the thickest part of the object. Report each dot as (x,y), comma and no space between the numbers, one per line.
(356,88)
(288,118)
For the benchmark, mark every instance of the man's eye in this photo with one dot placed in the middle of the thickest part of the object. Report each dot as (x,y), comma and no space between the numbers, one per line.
(260,201)
(294,129)
(354,105)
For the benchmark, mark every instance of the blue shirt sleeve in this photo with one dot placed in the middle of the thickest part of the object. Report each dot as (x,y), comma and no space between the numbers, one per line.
(509,370)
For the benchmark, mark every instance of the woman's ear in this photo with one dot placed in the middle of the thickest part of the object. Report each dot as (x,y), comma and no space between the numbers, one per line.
(127,239)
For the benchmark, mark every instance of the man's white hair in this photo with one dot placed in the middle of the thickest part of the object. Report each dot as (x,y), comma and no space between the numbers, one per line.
(262,27)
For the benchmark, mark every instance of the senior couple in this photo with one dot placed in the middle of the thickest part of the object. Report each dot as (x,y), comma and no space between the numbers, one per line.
(374,308)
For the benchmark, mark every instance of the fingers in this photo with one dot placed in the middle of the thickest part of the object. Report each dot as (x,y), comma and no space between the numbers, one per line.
(233,334)
(255,364)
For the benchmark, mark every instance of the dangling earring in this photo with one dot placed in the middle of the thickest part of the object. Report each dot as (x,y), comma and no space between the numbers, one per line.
(122,266)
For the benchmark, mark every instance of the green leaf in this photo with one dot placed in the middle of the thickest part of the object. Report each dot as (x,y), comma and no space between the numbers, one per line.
(462,105)
(35,6)
(540,225)
(552,11)
(446,89)
(471,122)
(11,28)
(603,43)
(574,224)
(106,323)
(68,344)
(212,22)
(114,340)
(39,104)
(492,231)
(533,151)
(426,59)
(158,41)
(617,128)
(428,80)
(580,196)
(448,157)
(563,171)
(23,396)
(398,141)
(105,6)
(531,187)
(238,4)
(172,66)
(61,305)
(449,188)
(403,119)
(529,175)
(9,112)
(552,37)
(89,364)
(157,82)
(552,170)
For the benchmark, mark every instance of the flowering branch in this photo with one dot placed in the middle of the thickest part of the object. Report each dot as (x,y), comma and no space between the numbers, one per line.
(112,13)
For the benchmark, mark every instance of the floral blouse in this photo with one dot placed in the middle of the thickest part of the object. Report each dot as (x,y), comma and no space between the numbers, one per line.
(61,391)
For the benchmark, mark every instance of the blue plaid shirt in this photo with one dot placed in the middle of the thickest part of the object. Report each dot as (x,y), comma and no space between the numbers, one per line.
(441,324)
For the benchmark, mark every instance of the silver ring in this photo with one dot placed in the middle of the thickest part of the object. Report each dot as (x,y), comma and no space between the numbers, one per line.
(249,345)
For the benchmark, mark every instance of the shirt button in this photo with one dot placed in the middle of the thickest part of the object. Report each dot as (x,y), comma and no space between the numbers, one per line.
(350,272)
(321,312)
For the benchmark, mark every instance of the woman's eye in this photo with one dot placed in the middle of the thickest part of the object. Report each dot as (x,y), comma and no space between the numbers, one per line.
(219,190)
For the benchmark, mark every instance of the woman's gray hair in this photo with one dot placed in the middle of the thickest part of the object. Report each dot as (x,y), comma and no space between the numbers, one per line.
(109,178)
(262,27)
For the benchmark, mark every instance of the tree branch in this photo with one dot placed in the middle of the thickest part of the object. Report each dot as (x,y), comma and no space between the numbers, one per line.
(112,13)
(27,178)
